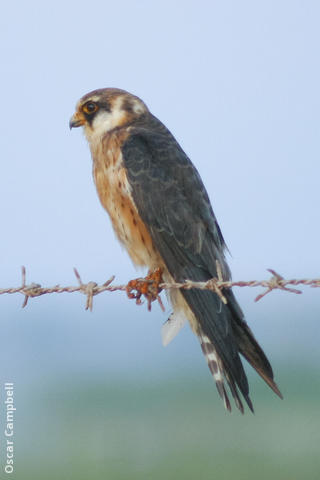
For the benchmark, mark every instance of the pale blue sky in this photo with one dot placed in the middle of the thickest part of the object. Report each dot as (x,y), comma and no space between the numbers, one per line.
(238,85)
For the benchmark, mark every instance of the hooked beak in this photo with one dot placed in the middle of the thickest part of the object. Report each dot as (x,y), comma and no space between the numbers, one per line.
(76,121)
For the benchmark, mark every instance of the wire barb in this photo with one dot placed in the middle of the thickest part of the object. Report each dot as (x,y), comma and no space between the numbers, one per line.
(32,290)
(276,281)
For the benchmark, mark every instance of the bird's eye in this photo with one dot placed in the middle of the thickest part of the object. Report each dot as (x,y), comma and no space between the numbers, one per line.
(90,108)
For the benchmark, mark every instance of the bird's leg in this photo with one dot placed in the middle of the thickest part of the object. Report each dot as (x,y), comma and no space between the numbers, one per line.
(148,287)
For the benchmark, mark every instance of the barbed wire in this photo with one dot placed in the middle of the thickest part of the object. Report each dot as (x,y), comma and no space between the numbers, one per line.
(151,286)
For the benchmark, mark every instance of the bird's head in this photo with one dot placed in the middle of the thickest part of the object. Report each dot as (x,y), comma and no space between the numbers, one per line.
(103,110)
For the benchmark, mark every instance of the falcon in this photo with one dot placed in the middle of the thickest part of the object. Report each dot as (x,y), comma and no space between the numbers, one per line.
(161,213)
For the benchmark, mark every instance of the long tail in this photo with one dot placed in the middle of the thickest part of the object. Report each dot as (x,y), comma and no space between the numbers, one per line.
(224,335)
(248,347)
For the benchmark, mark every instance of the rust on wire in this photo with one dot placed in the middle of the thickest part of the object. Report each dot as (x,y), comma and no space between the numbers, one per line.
(151,286)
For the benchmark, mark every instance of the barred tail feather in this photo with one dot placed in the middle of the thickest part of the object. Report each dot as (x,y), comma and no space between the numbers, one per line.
(214,367)
(219,374)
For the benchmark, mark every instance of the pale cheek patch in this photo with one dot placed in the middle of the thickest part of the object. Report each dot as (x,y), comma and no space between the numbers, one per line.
(104,122)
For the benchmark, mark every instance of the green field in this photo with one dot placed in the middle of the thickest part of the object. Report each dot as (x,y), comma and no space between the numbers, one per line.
(173,430)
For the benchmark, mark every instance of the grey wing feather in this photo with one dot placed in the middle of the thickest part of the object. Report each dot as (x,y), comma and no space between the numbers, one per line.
(173,203)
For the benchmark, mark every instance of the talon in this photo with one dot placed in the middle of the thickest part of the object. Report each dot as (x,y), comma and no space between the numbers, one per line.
(148,287)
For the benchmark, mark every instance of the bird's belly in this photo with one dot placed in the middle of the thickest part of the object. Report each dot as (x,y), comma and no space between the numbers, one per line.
(115,195)
(131,231)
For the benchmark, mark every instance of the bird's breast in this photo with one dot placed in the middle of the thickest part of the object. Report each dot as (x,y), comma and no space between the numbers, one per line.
(115,195)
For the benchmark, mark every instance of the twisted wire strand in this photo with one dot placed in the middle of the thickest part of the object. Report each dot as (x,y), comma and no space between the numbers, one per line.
(90,289)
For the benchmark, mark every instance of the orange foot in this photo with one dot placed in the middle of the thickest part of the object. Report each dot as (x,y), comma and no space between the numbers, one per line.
(148,286)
